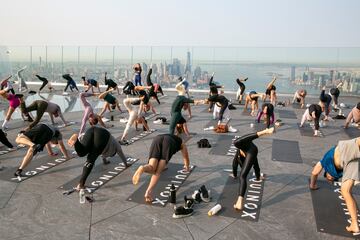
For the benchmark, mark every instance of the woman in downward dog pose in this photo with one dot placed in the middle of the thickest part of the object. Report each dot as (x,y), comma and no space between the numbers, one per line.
(252,98)
(246,157)
(241,90)
(135,116)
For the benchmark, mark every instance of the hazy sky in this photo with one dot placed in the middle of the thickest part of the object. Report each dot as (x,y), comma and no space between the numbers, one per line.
(271,23)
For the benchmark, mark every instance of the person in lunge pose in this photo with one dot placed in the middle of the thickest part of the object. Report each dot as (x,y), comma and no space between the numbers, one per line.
(342,161)
(246,157)
(162,148)
(241,90)
(44,83)
(299,97)
(313,113)
(36,139)
(42,106)
(96,141)
(354,116)
(14,102)
(267,110)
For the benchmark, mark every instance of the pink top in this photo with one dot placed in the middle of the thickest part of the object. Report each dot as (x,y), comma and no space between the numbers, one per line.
(14,101)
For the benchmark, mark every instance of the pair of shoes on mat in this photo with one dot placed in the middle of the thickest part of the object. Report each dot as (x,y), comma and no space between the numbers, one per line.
(201,195)
(181,212)
(124,142)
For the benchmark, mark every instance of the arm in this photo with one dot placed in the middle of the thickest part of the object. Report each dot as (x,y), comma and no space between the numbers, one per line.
(62,116)
(6,79)
(303,119)
(259,116)
(271,83)
(245,139)
(52,118)
(272,116)
(63,149)
(314,175)
(185,155)
(348,119)
(49,150)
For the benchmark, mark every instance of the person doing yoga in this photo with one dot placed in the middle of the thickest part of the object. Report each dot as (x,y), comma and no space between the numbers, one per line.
(42,106)
(129,88)
(213,89)
(22,84)
(110,84)
(241,89)
(90,84)
(252,98)
(5,83)
(135,116)
(44,83)
(271,92)
(96,141)
(246,157)
(313,113)
(155,88)
(110,102)
(89,114)
(36,139)
(69,82)
(342,161)
(326,100)
(354,116)
(335,93)
(299,97)
(162,148)
(267,110)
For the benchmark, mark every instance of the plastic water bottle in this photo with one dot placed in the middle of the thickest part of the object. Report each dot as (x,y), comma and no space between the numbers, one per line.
(82,196)
(214,210)
(172,194)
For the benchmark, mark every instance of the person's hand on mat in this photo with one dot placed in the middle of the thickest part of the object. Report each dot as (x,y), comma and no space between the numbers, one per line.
(72,140)
(54,154)
(232,175)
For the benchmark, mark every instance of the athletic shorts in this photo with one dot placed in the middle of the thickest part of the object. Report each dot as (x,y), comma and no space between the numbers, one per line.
(163,148)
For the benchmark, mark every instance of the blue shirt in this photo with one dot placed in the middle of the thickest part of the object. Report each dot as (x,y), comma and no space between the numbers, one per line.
(327,162)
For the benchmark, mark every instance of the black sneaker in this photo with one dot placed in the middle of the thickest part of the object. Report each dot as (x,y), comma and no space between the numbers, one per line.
(181,212)
(189,203)
(204,194)
(196,196)
(18,173)
(124,142)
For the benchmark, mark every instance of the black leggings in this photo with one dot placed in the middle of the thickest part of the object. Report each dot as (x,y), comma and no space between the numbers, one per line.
(250,160)
(44,80)
(129,88)
(4,140)
(92,144)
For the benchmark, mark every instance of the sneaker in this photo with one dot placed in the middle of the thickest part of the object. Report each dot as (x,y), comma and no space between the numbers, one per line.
(18,173)
(123,120)
(159,121)
(124,142)
(189,203)
(231,129)
(196,196)
(204,194)
(181,212)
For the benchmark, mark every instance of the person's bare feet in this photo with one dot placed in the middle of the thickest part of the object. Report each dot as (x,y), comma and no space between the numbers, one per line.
(137,175)
(239,205)
(315,187)
(353,228)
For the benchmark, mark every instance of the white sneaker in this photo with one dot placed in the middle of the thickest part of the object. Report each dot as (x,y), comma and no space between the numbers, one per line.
(65,93)
(231,129)
(159,121)
(209,128)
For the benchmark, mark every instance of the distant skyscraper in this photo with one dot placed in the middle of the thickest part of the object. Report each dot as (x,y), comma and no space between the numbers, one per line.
(188,63)
(332,75)
(292,74)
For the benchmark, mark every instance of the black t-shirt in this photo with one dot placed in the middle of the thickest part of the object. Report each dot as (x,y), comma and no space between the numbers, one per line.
(219,99)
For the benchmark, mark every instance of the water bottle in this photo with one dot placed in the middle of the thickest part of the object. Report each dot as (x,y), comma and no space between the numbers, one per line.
(214,210)
(82,196)
(172,194)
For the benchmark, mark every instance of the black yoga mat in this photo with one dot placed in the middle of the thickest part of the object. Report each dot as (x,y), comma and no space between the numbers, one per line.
(286,151)
(253,197)
(100,174)
(306,131)
(286,114)
(330,210)
(211,123)
(37,165)
(224,146)
(173,175)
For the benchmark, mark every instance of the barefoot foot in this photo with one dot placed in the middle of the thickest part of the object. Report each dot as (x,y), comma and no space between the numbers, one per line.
(137,175)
